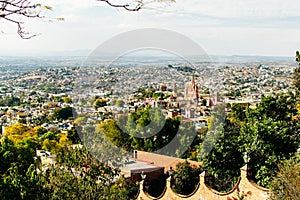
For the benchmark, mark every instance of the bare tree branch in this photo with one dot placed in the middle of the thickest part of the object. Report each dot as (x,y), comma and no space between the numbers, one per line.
(136,5)
(127,7)
(16,10)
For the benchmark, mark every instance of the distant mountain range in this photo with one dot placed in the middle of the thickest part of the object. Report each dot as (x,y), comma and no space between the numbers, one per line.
(247,59)
(28,62)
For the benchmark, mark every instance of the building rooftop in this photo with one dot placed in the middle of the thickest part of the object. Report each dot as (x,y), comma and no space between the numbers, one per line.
(161,160)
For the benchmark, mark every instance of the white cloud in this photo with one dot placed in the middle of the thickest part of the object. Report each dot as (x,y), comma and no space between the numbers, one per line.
(240,8)
(263,27)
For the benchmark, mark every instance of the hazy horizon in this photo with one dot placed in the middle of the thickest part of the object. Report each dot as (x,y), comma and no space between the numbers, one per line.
(87,52)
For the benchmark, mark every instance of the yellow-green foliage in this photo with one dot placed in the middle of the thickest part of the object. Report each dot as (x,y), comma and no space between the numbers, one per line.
(49,145)
(64,141)
(18,132)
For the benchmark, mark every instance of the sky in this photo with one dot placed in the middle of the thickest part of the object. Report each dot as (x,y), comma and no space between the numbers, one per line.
(220,27)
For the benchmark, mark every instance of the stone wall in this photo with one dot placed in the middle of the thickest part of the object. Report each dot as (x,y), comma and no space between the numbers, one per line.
(203,192)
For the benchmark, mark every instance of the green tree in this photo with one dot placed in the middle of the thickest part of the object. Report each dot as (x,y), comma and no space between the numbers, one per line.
(112,131)
(297,74)
(16,185)
(50,145)
(286,183)
(238,112)
(49,135)
(19,178)
(121,189)
(158,95)
(18,132)
(224,161)
(15,129)
(67,99)
(73,136)
(185,178)
(63,113)
(39,130)
(79,175)
(98,103)
(270,134)
(10,100)
(132,132)
(297,57)
(203,102)
(76,175)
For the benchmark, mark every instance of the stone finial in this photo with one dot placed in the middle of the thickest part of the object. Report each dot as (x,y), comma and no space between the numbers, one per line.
(244,171)
(202,178)
(169,182)
(142,186)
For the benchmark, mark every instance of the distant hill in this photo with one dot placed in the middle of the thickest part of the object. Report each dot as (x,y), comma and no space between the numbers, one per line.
(30,62)
(247,59)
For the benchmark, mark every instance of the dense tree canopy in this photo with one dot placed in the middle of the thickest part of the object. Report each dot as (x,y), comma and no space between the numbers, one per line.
(223,163)
(98,103)
(268,134)
(132,132)
(18,132)
(286,183)
(185,178)
(10,101)
(297,74)
(63,113)
(76,175)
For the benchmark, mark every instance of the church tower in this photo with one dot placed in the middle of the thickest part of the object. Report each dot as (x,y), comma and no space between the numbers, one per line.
(191,91)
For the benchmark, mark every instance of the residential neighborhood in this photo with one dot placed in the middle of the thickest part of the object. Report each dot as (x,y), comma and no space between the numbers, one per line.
(32,96)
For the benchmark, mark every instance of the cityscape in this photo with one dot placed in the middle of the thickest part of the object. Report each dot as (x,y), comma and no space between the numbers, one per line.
(57,105)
